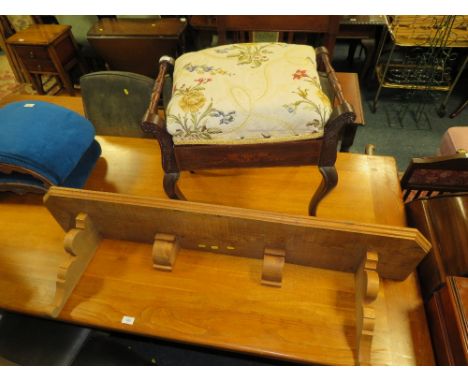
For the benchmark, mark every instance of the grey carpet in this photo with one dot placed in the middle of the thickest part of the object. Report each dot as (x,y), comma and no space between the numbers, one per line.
(406,124)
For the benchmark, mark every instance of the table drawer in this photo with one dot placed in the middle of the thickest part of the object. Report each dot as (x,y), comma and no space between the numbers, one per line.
(43,66)
(32,52)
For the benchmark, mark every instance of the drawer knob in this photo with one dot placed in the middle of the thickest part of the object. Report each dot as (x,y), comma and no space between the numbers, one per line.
(39,67)
(31,54)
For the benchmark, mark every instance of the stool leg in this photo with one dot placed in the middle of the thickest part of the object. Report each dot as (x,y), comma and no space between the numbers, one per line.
(170,186)
(329,181)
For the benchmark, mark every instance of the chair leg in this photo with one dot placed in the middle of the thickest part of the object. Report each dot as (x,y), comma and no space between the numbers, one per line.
(329,181)
(170,186)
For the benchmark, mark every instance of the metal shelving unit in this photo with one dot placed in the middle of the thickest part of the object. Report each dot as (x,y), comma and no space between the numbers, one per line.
(421,56)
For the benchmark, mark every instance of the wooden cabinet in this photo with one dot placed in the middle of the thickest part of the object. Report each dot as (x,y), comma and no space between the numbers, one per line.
(46,49)
(443,220)
(135,45)
(448,319)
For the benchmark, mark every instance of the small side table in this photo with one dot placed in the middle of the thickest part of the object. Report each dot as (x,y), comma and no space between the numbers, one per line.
(364,30)
(352,93)
(46,49)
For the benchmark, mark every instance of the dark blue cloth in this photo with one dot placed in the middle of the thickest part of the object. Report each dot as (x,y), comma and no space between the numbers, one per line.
(51,140)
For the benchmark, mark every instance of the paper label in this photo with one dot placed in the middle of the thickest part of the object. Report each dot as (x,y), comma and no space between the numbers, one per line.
(127,320)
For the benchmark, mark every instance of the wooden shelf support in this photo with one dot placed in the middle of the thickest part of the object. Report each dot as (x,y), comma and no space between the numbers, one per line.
(273,263)
(165,250)
(367,288)
(80,243)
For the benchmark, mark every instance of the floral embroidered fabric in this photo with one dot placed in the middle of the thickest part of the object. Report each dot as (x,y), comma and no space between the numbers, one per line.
(247,93)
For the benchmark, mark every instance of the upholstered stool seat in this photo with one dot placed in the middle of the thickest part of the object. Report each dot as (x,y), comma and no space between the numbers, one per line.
(42,144)
(247,93)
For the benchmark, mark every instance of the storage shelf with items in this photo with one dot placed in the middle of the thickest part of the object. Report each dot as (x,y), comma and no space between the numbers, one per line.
(423,54)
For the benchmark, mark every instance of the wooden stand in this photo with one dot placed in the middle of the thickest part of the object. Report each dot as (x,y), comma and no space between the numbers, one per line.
(343,246)
(80,242)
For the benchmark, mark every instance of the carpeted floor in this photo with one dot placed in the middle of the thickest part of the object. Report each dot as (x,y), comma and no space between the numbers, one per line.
(8,84)
(406,124)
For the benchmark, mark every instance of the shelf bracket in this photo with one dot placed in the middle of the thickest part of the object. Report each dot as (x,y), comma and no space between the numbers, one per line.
(165,250)
(273,263)
(367,282)
(80,243)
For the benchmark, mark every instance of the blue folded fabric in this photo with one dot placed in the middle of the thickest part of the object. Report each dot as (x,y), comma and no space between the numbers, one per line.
(49,140)
(21,183)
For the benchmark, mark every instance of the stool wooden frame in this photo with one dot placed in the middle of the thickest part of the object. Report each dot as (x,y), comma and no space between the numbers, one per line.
(321,151)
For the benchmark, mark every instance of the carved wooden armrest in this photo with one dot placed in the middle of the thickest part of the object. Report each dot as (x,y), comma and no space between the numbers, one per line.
(325,66)
(151,120)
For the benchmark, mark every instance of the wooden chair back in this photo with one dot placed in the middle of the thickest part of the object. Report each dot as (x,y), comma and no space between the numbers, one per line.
(430,176)
(115,101)
(286,26)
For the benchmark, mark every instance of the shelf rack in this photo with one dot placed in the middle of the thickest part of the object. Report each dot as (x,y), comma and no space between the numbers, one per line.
(421,54)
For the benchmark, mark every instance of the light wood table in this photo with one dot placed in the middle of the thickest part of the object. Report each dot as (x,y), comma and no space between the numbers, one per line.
(72,103)
(217,300)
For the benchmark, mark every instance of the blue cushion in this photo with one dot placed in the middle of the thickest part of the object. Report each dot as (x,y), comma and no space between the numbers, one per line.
(80,173)
(48,139)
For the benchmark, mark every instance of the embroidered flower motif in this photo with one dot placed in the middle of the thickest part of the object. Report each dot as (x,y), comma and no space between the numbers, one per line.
(302,74)
(205,69)
(192,123)
(309,103)
(299,74)
(192,101)
(253,54)
(323,97)
(226,118)
(203,80)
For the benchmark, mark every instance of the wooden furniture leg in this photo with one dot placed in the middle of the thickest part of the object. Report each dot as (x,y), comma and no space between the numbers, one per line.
(369,63)
(367,288)
(81,243)
(347,140)
(37,83)
(329,181)
(63,75)
(165,250)
(170,186)
(273,263)
(459,109)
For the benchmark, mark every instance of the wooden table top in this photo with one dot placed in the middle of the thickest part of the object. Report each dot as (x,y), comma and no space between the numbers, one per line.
(167,27)
(38,34)
(217,300)
(72,103)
